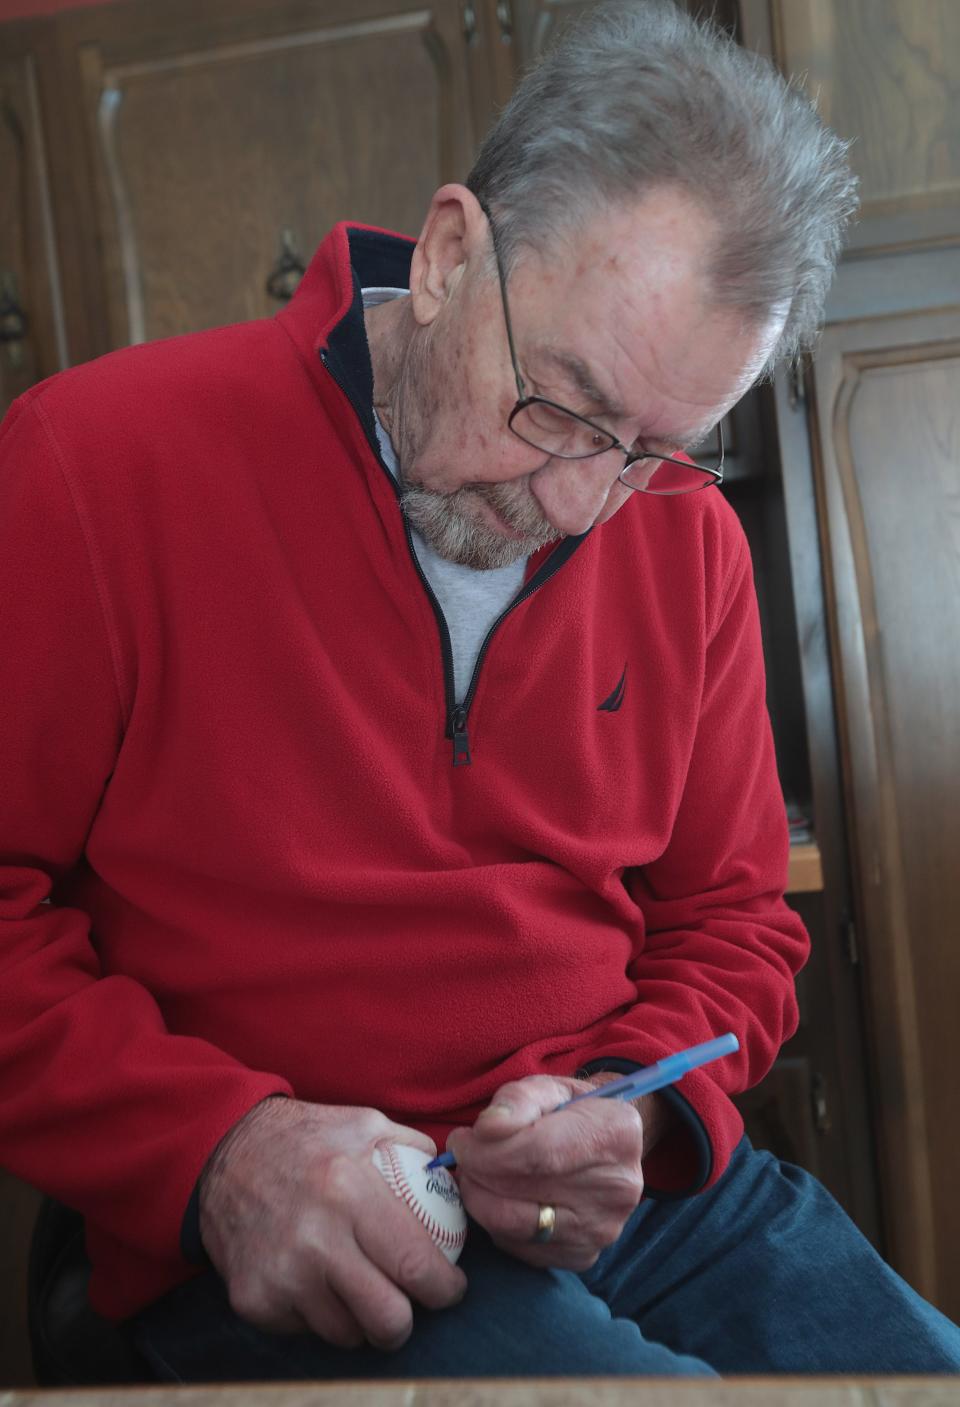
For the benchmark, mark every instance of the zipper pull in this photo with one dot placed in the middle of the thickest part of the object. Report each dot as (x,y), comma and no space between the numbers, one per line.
(461,742)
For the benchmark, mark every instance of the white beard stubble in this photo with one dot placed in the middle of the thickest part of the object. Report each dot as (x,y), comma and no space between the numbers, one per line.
(449,522)
(457,534)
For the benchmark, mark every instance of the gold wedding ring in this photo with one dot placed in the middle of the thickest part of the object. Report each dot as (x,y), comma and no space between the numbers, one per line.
(546,1224)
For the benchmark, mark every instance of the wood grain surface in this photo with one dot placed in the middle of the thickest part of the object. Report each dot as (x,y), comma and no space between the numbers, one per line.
(545,1392)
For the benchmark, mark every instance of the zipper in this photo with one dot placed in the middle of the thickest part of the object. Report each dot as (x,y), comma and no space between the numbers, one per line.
(457,713)
(458,728)
(461,738)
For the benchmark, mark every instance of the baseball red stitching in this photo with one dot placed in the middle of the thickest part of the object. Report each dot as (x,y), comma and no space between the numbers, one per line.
(440,1234)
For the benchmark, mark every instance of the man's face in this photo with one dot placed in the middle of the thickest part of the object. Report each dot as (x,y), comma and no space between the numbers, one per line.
(614,325)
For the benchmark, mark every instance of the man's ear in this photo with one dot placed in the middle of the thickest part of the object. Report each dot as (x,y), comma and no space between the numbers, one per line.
(454,235)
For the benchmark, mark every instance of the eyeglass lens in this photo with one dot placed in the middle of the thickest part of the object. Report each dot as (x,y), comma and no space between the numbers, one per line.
(561,433)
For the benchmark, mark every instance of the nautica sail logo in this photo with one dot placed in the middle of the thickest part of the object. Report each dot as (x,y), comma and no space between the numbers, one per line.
(614,700)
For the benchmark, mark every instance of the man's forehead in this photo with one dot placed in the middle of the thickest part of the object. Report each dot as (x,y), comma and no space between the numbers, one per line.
(623,312)
(585,379)
(624,333)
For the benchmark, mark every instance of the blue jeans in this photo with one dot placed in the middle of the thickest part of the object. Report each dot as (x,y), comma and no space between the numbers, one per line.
(762,1274)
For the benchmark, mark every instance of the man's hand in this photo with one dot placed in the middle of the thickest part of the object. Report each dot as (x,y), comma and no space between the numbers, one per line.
(584,1162)
(306,1233)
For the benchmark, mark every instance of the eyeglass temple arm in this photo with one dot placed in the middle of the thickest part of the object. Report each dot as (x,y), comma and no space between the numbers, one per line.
(521,388)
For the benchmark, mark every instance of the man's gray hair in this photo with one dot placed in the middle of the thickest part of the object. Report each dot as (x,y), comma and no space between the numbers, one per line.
(641,95)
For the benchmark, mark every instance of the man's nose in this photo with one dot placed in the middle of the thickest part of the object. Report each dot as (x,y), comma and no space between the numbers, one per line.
(575,494)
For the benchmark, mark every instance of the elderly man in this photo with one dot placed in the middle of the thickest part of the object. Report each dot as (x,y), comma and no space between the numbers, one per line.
(390,740)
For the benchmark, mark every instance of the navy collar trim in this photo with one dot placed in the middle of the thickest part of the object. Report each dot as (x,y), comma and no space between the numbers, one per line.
(376,260)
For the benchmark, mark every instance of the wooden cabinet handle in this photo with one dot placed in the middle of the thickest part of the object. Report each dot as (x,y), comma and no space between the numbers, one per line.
(287,272)
(14,323)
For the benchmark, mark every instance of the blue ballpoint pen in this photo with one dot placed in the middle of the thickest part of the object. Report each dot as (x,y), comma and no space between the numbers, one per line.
(664,1072)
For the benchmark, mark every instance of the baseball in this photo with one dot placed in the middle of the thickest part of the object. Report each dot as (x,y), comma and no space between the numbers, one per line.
(433,1196)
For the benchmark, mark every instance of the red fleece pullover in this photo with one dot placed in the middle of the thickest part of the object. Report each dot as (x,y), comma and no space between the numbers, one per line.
(226,761)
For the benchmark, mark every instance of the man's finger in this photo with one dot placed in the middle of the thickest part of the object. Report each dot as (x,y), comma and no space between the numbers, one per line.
(400,1133)
(596,1204)
(520,1103)
(328,1317)
(382,1310)
(596,1133)
(393,1239)
(515,1219)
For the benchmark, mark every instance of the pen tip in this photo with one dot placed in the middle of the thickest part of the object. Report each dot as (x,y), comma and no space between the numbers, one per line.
(442,1160)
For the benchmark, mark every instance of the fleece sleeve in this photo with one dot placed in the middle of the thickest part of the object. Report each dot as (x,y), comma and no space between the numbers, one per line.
(721,948)
(100,1105)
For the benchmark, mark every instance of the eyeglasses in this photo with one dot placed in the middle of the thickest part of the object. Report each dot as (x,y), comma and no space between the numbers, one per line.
(561,432)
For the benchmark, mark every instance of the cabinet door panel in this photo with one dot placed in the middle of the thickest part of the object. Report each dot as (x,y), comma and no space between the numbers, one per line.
(778,1114)
(212,143)
(888,392)
(19,1205)
(32,337)
(883,72)
(534,22)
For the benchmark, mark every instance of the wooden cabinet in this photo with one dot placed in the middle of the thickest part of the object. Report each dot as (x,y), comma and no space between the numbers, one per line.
(869,442)
(887,442)
(886,74)
(218,141)
(535,22)
(32,329)
(18,1210)
(223,140)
